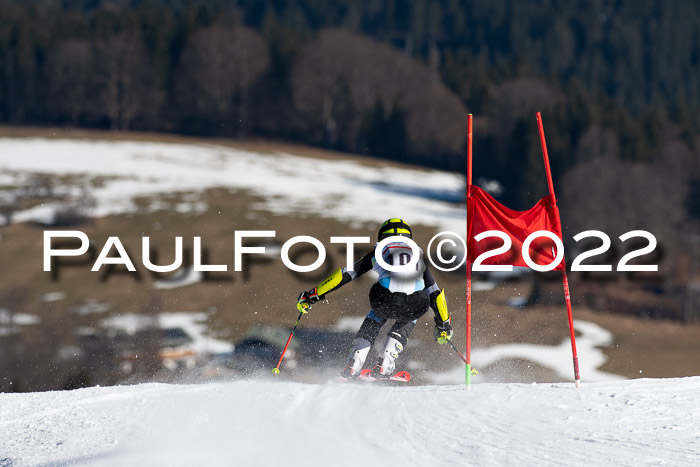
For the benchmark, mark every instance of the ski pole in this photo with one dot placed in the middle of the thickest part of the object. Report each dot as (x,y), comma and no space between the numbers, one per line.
(472,371)
(457,350)
(276,370)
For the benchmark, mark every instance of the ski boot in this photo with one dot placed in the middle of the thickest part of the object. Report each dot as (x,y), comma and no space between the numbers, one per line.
(387,359)
(358,355)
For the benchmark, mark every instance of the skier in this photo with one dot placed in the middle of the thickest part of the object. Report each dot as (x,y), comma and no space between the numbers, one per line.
(401,296)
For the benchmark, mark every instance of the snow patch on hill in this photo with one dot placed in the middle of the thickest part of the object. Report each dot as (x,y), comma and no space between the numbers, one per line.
(127,170)
(192,323)
(590,342)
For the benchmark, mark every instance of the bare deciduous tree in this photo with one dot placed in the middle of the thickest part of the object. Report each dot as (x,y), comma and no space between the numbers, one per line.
(69,68)
(514,100)
(616,196)
(126,87)
(341,77)
(597,143)
(217,69)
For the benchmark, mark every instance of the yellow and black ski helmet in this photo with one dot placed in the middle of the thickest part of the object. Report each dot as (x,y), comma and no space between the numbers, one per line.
(394,227)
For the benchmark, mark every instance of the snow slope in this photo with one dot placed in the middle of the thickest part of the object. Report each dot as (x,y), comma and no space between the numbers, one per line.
(266,423)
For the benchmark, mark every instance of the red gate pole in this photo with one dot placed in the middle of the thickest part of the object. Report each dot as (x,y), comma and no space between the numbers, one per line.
(565,280)
(468,374)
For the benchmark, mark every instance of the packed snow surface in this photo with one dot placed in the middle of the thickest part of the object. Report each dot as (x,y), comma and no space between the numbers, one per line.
(266,423)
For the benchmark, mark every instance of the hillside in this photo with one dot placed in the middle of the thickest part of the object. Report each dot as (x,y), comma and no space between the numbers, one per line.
(164,187)
(267,423)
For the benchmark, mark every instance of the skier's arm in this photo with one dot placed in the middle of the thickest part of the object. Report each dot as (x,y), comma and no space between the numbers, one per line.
(443,328)
(339,278)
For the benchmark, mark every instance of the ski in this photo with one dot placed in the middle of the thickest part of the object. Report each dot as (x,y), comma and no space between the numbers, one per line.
(366,376)
(401,376)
